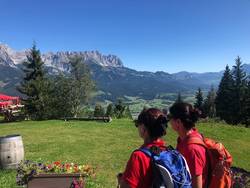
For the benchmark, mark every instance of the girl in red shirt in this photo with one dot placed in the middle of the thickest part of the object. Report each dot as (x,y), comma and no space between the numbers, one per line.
(151,126)
(183,118)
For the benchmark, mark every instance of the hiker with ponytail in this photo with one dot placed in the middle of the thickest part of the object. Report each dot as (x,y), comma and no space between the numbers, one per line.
(183,117)
(151,125)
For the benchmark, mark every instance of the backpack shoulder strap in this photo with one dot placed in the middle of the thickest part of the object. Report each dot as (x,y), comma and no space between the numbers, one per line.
(200,141)
(196,140)
(146,151)
(154,150)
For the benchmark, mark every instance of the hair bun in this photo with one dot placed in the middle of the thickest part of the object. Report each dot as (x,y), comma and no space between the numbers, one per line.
(154,121)
(195,114)
(162,120)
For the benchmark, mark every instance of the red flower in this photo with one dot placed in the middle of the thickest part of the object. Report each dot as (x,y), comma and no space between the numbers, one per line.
(49,166)
(57,163)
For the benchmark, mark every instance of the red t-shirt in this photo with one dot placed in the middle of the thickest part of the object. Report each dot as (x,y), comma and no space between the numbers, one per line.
(195,156)
(138,172)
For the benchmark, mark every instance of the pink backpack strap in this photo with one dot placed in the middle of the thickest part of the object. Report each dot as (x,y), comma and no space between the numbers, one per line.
(196,140)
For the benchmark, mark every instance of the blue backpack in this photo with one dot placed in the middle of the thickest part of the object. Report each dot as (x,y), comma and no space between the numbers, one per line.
(170,169)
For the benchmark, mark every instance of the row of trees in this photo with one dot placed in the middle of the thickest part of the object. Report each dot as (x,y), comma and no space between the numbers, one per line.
(231,102)
(118,110)
(48,97)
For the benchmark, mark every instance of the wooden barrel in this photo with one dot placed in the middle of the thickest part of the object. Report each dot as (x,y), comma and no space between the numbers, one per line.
(11,151)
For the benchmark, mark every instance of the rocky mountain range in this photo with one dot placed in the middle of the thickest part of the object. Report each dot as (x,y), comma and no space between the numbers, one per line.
(112,78)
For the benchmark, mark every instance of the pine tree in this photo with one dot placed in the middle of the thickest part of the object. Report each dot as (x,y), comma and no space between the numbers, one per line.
(99,111)
(209,103)
(127,113)
(110,110)
(34,85)
(69,94)
(239,89)
(199,100)
(224,97)
(119,109)
(60,102)
(246,107)
(179,98)
(81,84)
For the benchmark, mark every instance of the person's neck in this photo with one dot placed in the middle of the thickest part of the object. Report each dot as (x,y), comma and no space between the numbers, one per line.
(150,140)
(183,134)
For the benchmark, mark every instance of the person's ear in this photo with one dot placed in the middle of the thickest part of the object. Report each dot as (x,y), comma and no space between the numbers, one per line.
(178,123)
(144,130)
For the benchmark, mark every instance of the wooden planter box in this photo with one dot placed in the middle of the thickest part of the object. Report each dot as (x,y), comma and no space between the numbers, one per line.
(52,180)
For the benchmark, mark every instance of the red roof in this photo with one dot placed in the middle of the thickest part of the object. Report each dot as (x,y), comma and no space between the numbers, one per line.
(7,98)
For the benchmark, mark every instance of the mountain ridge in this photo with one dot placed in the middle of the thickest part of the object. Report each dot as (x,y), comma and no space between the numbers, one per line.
(13,58)
(111,76)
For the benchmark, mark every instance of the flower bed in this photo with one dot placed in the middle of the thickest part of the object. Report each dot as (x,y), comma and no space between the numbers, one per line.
(32,173)
(241,178)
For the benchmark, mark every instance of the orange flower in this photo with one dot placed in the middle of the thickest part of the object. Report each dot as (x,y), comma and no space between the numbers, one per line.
(67,166)
(75,169)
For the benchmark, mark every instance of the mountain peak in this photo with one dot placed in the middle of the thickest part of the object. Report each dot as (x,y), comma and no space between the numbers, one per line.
(58,60)
(5,48)
(5,55)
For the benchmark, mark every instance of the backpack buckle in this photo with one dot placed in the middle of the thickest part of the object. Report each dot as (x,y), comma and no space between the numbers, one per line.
(155,150)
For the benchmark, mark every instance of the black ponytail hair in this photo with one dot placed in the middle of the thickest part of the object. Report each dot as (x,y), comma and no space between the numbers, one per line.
(186,113)
(155,122)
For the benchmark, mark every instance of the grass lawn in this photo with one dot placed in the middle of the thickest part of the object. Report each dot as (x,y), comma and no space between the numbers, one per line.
(105,146)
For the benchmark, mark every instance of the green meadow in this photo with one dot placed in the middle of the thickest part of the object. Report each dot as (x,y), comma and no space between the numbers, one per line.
(105,146)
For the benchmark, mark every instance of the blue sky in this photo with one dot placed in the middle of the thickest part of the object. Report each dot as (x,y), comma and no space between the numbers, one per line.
(151,35)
